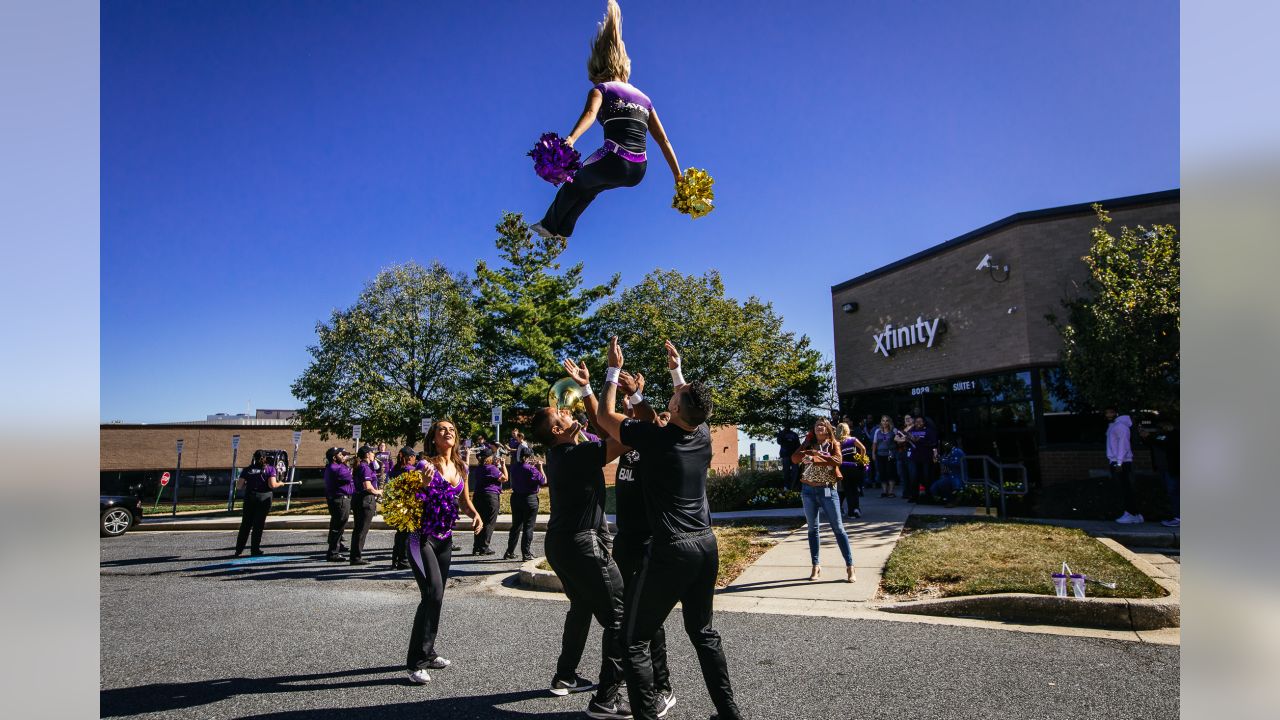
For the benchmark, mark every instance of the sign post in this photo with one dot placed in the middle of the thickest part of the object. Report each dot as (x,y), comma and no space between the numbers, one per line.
(164,480)
(231,491)
(177,479)
(355,434)
(497,425)
(293,464)
(426,426)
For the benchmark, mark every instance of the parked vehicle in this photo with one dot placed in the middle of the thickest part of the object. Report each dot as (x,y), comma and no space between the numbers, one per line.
(118,513)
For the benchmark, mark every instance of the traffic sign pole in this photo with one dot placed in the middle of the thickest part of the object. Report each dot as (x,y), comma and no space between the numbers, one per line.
(288,493)
(177,479)
(231,491)
(426,427)
(164,480)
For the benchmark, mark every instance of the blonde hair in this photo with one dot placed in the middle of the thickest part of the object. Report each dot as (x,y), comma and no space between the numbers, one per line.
(842,431)
(608,60)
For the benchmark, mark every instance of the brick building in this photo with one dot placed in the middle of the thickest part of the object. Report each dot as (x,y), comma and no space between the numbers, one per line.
(958,331)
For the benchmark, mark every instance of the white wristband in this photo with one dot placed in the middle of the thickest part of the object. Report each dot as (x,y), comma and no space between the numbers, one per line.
(611,375)
(635,399)
(586,391)
(677,377)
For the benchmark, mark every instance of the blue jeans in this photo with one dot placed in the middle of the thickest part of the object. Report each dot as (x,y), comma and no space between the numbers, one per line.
(828,500)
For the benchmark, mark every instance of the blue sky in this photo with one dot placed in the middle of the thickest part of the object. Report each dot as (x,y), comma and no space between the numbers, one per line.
(261,160)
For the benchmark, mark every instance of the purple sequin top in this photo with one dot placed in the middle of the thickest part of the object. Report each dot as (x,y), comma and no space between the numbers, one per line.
(439,507)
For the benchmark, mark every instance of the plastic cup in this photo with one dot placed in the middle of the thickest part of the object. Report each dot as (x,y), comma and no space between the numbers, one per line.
(1077,586)
(1059,584)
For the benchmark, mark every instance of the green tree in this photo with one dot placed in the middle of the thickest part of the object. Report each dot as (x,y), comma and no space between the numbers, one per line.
(533,315)
(1121,337)
(405,350)
(762,377)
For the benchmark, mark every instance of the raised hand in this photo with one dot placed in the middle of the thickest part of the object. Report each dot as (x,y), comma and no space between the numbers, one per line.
(615,352)
(577,371)
(673,356)
(630,384)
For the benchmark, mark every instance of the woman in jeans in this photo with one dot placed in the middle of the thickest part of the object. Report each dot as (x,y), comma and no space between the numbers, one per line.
(882,454)
(820,457)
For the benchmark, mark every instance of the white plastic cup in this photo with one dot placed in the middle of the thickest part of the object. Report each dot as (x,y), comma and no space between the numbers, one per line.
(1059,584)
(1077,586)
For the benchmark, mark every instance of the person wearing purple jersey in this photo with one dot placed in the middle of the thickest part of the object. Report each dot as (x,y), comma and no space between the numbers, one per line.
(258,480)
(364,503)
(683,559)
(430,549)
(527,479)
(486,492)
(627,117)
(339,486)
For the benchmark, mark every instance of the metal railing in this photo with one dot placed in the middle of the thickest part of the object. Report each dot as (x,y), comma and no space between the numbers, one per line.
(993,472)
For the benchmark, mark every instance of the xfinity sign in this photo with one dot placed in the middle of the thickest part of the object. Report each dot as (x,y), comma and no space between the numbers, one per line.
(894,338)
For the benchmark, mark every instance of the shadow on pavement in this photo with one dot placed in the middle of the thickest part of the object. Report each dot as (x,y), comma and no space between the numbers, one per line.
(128,562)
(161,697)
(773,585)
(479,706)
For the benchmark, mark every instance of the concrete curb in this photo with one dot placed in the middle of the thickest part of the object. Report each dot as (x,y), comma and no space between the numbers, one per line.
(1107,613)
(532,576)
(300,522)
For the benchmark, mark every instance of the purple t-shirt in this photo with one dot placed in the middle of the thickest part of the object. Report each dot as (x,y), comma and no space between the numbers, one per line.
(526,479)
(258,479)
(488,479)
(364,472)
(624,114)
(338,480)
(440,508)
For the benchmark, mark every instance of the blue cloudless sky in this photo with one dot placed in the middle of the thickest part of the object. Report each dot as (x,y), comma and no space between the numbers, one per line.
(262,159)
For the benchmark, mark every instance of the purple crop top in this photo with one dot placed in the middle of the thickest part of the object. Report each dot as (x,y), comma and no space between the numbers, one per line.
(440,508)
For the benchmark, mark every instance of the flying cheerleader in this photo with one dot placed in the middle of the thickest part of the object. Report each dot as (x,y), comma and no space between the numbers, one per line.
(628,117)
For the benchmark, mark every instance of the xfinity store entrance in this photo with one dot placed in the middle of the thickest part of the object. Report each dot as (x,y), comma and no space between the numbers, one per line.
(992,415)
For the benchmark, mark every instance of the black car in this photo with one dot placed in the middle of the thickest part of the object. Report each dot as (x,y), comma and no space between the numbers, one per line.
(118,514)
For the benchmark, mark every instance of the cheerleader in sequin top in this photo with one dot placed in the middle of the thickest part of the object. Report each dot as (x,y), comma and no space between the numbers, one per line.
(627,117)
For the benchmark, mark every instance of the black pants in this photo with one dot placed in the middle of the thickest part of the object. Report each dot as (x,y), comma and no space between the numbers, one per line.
(594,586)
(629,553)
(429,559)
(610,171)
(682,568)
(252,519)
(524,515)
(487,505)
(886,469)
(851,485)
(921,470)
(400,548)
(339,511)
(364,506)
(1122,473)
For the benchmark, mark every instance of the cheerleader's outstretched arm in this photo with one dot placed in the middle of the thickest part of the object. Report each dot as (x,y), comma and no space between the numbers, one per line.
(594,101)
(660,137)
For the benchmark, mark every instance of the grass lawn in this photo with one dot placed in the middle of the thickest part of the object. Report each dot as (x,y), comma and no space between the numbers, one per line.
(297,507)
(739,546)
(977,558)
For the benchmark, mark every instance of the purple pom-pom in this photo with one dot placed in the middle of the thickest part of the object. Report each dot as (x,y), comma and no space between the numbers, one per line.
(554,160)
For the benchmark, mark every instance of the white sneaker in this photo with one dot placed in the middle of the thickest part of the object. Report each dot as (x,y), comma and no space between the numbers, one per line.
(438,663)
(542,232)
(1127,519)
(1176,522)
(419,677)
(666,701)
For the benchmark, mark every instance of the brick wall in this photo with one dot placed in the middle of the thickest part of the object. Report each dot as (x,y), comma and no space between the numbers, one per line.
(1065,465)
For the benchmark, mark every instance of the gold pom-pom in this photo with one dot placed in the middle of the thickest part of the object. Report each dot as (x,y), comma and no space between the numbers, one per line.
(401,501)
(694,195)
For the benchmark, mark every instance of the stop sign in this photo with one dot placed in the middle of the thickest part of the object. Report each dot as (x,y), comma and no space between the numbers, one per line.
(164,479)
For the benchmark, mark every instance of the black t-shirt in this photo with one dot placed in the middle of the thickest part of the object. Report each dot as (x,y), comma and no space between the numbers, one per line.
(788,442)
(575,480)
(631,518)
(673,476)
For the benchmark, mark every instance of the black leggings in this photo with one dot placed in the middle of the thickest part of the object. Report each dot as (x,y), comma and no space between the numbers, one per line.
(851,483)
(524,515)
(429,559)
(594,586)
(252,519)
(364,506)
(680,569)
(400,548)
(629,553)
(610,171)
(339,512)
(487,506)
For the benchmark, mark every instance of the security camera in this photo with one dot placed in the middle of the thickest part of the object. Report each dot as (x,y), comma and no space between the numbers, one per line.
(985,263)
(850,307)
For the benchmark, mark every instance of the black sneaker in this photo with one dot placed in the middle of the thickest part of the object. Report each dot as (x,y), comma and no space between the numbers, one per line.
(256,553)
(527,558)
(335,558)
(508,556)
(359,561)
(665,701)
(616,709)
(562,687)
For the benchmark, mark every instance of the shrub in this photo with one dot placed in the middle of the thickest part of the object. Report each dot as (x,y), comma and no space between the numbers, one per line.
(733,491)
(774,498)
